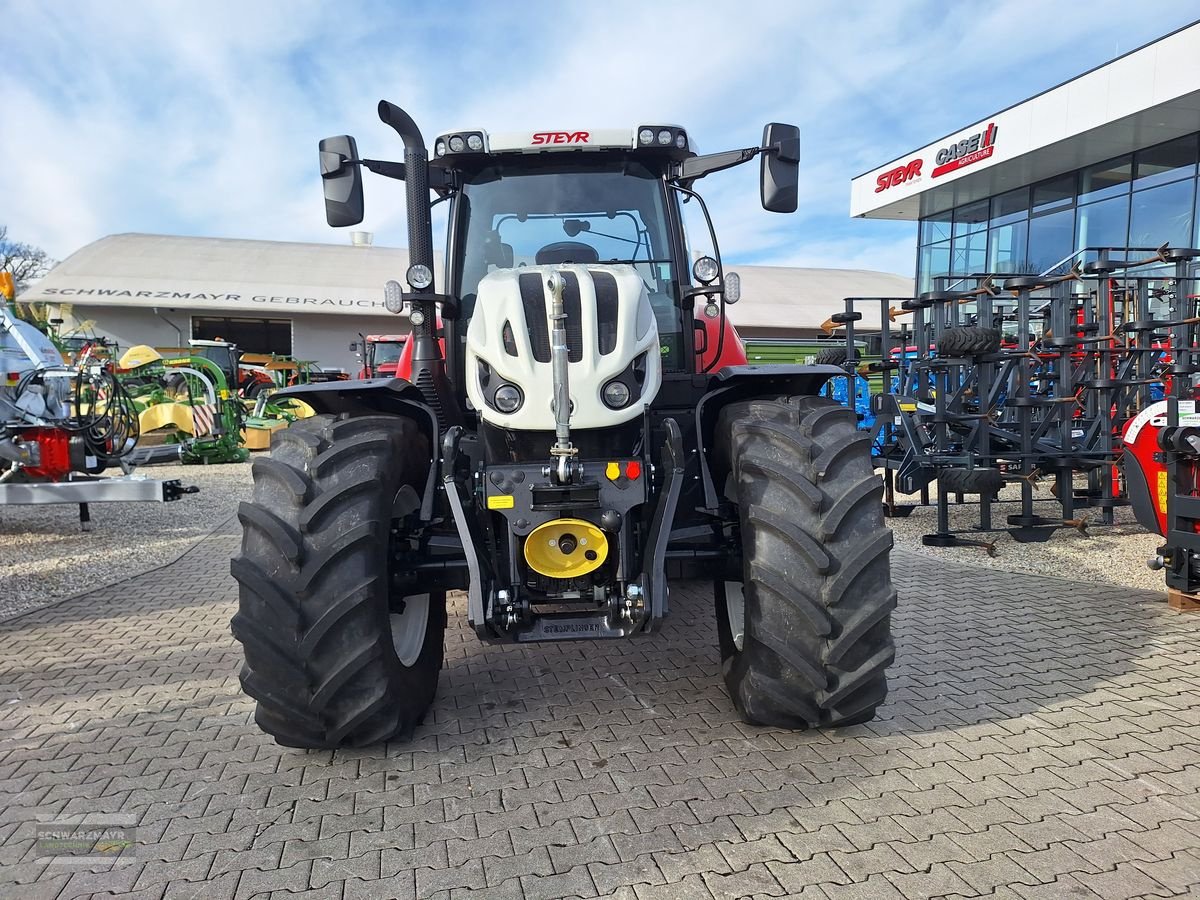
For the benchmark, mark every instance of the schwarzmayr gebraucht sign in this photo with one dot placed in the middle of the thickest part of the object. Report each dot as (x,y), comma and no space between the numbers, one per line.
(71,294)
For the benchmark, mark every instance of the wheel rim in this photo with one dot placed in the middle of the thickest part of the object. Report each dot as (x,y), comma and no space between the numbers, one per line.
(409,627)
(735,612)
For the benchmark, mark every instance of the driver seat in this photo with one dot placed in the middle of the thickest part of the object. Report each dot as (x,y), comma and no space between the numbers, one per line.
(564,252)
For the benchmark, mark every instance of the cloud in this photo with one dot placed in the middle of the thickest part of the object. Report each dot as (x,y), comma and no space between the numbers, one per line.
(203,119)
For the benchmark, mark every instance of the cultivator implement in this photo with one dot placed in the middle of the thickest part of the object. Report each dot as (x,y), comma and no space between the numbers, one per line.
(1031,381)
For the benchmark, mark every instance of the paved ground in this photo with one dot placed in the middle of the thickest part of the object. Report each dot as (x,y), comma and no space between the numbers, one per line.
(1040,741)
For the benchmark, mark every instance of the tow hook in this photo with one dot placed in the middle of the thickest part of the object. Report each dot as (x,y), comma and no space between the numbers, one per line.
(631,608)
(174,489)
(510,611)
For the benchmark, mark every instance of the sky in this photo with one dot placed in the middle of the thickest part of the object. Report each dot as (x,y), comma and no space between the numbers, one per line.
(203,118)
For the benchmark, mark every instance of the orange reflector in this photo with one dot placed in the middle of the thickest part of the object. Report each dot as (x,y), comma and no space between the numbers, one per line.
(633,469)
(613,471)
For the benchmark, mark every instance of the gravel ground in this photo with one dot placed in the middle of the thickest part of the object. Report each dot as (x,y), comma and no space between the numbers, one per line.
(1113,554)
(44,556)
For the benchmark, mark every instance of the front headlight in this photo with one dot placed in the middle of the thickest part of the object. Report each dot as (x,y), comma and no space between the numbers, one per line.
(508,398)
(705,270)
(419,276)
(616,395)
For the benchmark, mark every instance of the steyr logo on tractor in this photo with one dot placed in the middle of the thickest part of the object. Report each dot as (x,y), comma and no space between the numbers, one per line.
(560,137)
(967,151)
(893,177)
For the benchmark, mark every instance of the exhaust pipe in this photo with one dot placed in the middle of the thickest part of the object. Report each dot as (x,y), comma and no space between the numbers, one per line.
(428,365)
(416,182)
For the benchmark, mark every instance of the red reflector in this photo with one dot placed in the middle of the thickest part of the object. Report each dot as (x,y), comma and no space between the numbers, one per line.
(633,469)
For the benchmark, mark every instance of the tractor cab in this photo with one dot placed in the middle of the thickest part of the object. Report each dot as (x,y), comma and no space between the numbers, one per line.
(247,380)
(222,354)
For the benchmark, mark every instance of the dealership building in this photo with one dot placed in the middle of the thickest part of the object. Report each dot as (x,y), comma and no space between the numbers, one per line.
(1107,159)
(312,301)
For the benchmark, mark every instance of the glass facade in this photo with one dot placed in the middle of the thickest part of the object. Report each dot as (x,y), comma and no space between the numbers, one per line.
(1144,199)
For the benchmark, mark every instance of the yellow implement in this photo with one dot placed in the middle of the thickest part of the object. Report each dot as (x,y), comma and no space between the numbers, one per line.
(258,437)
(138,356)
(160,415)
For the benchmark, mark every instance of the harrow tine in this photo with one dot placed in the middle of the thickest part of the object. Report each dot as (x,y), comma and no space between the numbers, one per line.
(1080,525)
(1033,478)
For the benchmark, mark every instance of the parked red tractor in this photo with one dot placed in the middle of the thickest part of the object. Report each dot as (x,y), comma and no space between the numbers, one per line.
(582,437)
(381,354)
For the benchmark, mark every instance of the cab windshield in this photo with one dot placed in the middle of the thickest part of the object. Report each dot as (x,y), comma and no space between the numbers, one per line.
(387,352)
(512,215)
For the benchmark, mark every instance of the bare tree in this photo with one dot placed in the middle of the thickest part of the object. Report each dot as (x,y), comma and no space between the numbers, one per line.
(24,261)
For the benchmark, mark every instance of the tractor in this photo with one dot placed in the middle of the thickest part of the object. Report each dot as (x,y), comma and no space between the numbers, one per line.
(578,425)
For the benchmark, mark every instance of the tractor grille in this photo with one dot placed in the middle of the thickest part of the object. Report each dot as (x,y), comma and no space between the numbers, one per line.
(533,298)
(574,313)
(606,312)
(537,311)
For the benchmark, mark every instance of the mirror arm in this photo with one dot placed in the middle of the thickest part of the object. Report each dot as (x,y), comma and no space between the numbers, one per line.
(691,170)
(382,167)
(439,179)
(697,167)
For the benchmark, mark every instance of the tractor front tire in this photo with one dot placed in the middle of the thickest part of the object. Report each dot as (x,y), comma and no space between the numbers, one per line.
(331,659)
(805,634)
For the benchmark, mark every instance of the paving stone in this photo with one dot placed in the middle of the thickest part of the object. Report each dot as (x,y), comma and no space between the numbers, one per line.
(1126,880)
(600,849)
(468,875)
(755,880)
(336,871)
(402,886)
(676,866)
(641,870)
(937,881)
(877,887)
(293,878)
(499,869)
(1178,874)
(690,888)
(509,890)
(1038,741)
(575,883)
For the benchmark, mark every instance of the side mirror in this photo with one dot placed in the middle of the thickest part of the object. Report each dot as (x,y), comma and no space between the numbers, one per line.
(780,167)
(341,179)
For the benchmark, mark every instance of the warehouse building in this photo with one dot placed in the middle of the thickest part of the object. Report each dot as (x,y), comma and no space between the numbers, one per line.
(312,301)
(1107,159)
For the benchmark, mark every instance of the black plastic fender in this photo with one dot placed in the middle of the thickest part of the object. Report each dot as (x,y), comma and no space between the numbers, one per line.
(364,396)
(734,383)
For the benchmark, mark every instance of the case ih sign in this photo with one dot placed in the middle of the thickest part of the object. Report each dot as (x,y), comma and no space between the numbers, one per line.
(965,152)
(948,159)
